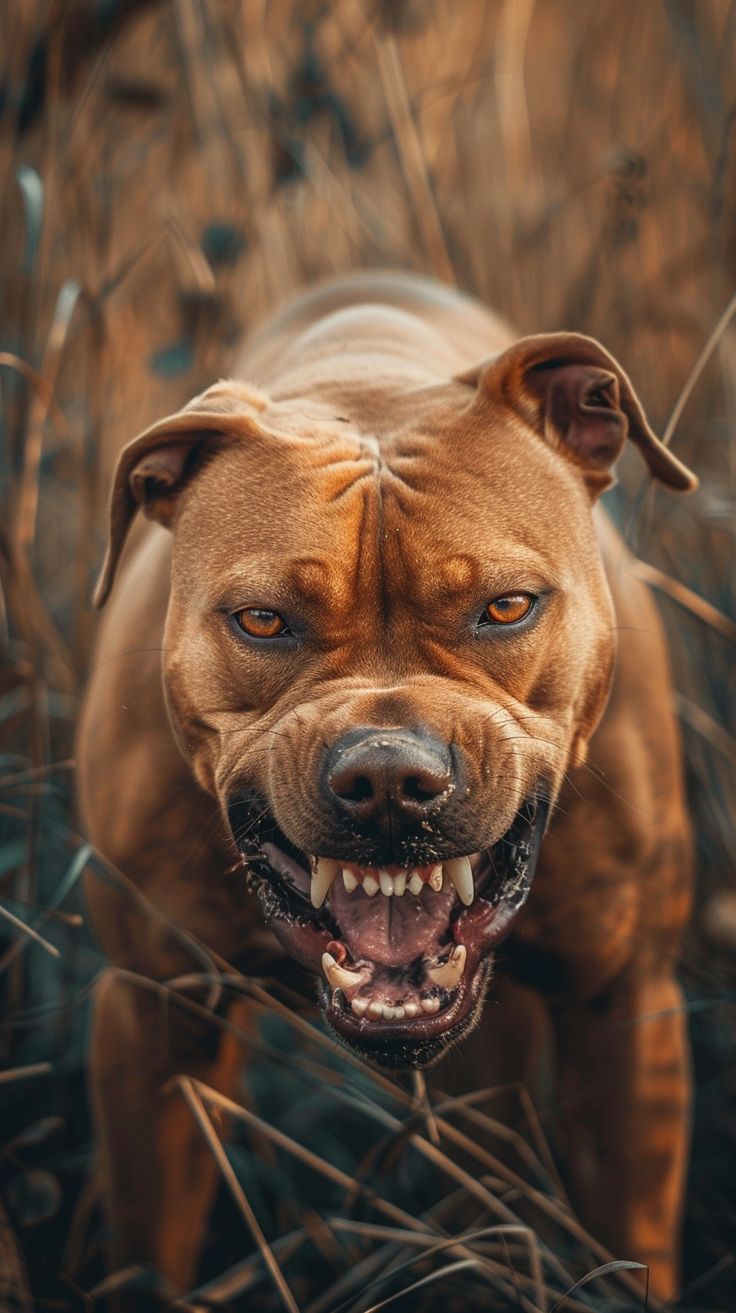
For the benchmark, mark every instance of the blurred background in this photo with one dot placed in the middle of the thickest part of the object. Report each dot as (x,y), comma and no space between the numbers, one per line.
(170,170)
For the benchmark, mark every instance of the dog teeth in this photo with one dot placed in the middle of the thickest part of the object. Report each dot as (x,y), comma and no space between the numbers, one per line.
(449,973)
(374,1010)
(323,875)
(339,977)
(460,873)
(377,1011)
(435,878)
(457,869)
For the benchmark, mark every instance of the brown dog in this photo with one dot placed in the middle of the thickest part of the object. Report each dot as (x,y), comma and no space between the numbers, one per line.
(390,635)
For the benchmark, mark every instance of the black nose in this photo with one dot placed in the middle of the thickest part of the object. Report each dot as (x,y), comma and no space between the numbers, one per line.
(372,774)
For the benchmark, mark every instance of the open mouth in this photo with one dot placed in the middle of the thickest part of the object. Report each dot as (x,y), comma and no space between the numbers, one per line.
(403,954)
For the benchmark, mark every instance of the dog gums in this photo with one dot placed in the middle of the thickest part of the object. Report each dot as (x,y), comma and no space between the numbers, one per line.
(170,171)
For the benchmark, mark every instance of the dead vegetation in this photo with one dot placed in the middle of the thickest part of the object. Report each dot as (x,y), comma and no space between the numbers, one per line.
(169,171)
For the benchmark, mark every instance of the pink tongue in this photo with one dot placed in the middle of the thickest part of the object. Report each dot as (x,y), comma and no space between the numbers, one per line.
(392,931)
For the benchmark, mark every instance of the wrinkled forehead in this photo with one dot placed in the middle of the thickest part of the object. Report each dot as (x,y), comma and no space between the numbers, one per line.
(440,509)
(496,501)
(282,509)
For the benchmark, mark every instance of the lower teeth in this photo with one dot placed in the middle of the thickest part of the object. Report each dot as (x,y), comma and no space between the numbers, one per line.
(373,1010)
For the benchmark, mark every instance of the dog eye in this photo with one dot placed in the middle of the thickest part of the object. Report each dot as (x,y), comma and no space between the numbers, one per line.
(507,610)
(257,623)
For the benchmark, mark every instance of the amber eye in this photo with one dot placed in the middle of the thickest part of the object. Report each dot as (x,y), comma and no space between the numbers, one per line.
(260,624)
(508,609)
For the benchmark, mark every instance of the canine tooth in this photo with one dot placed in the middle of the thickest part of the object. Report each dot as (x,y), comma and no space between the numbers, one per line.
(338,977)
(416,884)
(386,882)
(375,1010)
(359,1006)
(460,873)
(412,1009)
(323,875)
(448,974)
(400,883)
(430,1005)
(435,878)
(350,881)
(370,885)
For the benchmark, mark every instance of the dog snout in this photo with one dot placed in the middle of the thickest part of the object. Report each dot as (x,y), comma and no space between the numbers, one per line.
(372,775)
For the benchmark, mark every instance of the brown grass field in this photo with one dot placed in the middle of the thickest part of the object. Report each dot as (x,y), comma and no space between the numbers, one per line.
(169,171)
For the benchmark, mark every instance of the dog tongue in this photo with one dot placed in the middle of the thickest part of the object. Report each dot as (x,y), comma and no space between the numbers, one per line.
(391,931)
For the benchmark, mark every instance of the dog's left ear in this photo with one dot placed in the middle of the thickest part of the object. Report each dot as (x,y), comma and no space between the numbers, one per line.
(579,399)
(154,469)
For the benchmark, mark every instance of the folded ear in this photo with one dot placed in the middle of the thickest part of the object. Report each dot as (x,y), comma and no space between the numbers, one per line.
(154,469)
(579,399)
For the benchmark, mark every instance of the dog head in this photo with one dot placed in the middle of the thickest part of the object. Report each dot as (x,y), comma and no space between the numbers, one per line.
(383,651)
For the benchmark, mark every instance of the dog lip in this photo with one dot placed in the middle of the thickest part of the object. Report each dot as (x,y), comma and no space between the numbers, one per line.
(286,867)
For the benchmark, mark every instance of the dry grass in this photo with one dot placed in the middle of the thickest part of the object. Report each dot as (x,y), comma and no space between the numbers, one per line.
(168,172)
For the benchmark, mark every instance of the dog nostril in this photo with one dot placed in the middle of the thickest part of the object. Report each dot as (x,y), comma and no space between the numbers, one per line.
(355,789)
(421,790)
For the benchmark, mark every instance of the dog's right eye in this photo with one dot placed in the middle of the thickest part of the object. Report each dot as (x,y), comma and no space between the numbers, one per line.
(257,623)
(508,609)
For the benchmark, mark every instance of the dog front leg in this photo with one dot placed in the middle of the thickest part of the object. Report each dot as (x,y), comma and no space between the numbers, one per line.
(159,1177)
(624,1101)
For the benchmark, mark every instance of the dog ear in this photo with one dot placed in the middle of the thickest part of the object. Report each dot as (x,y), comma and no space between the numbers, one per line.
(580,400)
(154,469)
